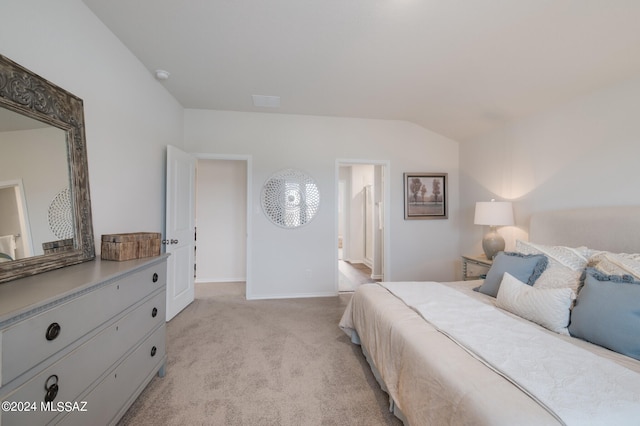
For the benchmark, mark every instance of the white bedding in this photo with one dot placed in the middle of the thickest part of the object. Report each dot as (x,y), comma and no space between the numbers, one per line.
(575,385)
(435,382)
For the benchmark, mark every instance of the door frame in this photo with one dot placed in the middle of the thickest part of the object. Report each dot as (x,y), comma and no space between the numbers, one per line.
(249,224)
(26,241)
(386,183)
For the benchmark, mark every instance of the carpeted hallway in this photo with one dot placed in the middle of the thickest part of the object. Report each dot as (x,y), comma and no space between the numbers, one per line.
(266,362)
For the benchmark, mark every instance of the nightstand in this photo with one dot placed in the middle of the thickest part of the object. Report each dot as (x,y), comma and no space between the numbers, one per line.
(480,266)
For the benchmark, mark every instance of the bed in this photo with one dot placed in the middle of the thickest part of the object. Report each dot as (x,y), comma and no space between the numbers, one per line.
(451,354)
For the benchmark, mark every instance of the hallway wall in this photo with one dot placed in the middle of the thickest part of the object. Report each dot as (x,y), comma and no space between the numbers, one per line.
(301,262)
(221,206)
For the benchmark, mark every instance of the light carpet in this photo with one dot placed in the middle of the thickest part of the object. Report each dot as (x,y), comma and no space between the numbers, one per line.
(265,362)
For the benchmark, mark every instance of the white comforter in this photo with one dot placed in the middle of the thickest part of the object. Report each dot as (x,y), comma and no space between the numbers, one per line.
(575,385)
(435,382)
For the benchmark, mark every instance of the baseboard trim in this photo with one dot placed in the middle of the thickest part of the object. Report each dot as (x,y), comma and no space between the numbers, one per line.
(219,280)
(291,296)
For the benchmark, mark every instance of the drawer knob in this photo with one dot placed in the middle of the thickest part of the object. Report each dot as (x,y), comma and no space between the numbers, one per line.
(51,386)
(53,331)
(155,277)
(153,351)
(154,312)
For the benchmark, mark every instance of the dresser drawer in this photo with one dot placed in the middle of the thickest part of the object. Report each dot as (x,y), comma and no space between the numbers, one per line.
(26,344)
(108,401)
(83,366)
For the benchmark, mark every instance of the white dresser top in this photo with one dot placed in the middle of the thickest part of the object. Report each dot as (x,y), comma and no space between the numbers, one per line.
(27,296)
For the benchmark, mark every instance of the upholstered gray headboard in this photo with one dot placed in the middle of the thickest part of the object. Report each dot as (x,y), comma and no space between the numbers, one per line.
(614,229)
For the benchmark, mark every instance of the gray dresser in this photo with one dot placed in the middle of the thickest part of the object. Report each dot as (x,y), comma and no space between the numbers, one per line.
(79,344)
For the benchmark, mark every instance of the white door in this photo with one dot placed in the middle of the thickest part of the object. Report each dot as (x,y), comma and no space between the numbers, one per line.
(180,229)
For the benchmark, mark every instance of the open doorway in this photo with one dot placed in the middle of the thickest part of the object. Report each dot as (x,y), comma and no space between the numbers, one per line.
(361,223)
(221,223)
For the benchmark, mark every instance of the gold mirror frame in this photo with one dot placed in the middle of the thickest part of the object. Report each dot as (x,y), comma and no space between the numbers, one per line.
(28,94)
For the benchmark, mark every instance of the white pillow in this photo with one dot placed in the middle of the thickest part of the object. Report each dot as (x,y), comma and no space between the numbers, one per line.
(616,263)
(549,307)
(565,264)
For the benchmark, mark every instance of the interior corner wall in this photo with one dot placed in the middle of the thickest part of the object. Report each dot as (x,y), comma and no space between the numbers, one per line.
(583,153)
(302,262)
(129,116)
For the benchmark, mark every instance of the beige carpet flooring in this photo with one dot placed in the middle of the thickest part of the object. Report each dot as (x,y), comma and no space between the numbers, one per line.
(266,362)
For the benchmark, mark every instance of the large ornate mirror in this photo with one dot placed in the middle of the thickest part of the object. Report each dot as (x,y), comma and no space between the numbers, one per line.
(45,208)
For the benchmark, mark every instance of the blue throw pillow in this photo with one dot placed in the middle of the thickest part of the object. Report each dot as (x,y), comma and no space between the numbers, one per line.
(607,312)
(525,267)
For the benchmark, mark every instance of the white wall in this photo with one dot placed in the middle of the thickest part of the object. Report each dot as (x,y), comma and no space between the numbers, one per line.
(580,154)
(221,216)
(129,116)
(302,262)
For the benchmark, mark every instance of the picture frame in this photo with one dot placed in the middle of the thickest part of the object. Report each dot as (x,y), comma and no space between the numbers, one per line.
(425,196)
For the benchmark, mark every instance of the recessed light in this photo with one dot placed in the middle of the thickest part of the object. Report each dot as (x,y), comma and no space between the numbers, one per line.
(266,101)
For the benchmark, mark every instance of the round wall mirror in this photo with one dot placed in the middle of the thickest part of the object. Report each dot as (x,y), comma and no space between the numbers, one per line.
(290,198)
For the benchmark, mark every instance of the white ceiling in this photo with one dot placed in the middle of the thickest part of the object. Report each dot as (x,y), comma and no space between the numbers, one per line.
(458,67)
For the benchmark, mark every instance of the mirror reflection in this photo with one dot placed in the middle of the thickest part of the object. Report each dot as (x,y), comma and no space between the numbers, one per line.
(35,205)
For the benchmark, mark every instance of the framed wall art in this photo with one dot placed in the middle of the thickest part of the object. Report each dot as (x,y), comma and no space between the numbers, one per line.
(425,196)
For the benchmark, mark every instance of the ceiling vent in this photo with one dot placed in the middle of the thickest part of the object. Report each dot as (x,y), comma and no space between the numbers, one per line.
(266,101)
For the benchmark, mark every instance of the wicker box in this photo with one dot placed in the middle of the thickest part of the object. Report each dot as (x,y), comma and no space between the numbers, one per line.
(130,246)
(58,246)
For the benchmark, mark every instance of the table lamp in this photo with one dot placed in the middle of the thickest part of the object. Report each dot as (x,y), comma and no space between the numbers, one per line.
(493,213)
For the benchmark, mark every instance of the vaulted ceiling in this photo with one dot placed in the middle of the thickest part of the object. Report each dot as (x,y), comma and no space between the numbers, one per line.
(458,67)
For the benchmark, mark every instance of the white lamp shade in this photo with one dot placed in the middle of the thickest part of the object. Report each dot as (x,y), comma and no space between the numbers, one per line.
(494,213)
